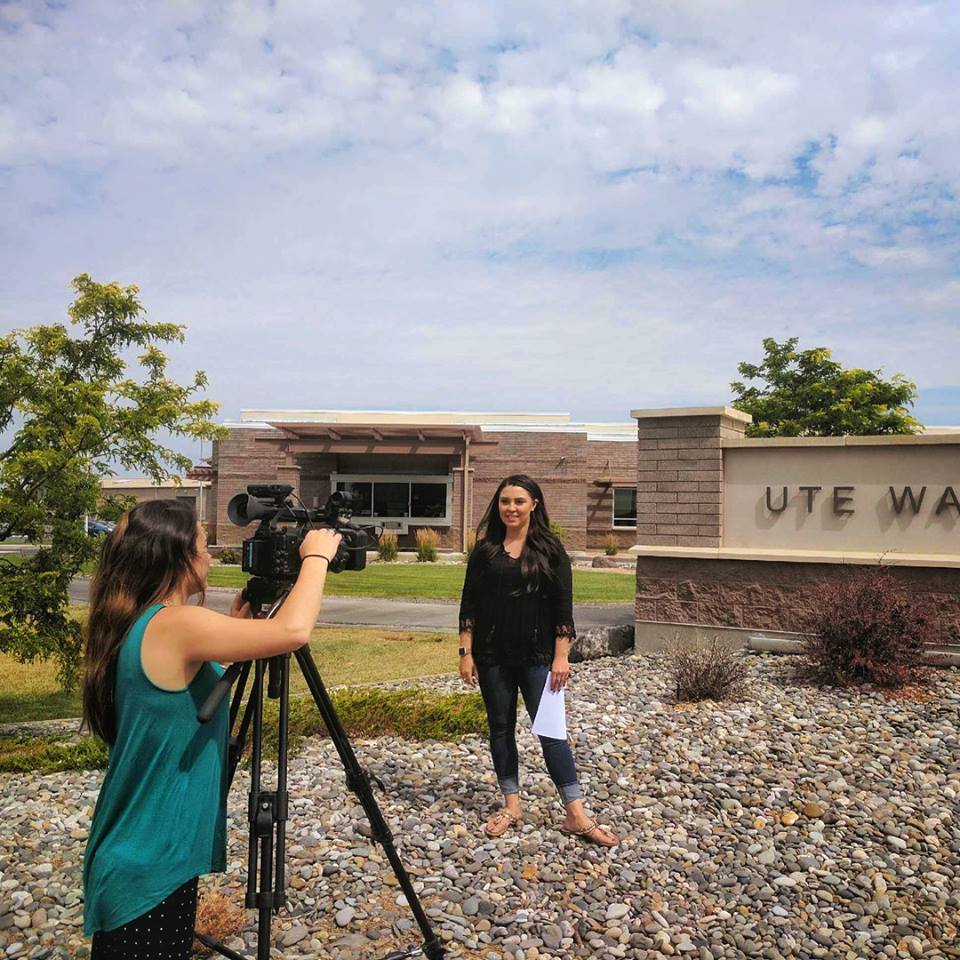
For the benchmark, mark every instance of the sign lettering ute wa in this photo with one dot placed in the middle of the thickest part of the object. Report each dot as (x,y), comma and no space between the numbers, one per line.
(905,500)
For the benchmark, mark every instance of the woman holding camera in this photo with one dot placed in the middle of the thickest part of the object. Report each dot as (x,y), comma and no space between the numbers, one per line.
(516,625)
(152,659)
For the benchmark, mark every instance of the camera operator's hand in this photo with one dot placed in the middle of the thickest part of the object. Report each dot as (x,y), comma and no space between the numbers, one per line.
(325,542)
(240,608)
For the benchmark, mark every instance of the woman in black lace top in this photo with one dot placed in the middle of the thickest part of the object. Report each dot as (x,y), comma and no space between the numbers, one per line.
(516,625)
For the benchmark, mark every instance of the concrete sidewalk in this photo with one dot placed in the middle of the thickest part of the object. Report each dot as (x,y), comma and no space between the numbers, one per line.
(399,614)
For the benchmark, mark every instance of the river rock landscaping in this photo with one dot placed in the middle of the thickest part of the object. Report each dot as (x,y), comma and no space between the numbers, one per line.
(796,823)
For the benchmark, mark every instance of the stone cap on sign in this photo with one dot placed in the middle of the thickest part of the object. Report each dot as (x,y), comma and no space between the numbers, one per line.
(731,413)
(889,558)
(873,440)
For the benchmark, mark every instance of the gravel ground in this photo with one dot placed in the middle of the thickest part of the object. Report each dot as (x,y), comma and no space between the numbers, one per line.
(795,823)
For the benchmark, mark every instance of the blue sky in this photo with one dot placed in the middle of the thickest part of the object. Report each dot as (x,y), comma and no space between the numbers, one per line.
(582,206)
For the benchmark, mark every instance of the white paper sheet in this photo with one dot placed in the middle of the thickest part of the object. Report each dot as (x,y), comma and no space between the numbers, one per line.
(551,718)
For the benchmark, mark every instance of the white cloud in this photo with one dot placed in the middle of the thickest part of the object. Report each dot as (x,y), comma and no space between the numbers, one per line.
(618,86)
(593,205)
(945,294)
(734,93)
(895,256)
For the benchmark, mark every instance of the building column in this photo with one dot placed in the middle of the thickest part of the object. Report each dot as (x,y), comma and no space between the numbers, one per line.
(288,470)
(680,473)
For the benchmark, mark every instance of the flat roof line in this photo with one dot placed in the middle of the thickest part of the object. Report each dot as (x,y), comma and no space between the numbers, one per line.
(402,416)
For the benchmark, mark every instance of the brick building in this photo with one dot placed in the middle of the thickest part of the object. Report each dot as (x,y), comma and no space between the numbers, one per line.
(189,489)
(439,470)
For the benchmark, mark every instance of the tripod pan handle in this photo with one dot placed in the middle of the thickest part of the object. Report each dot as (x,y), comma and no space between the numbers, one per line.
(219,691)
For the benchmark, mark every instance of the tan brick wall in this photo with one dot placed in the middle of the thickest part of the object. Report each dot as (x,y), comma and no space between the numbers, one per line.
(243,458)
(680,479)
(557,461)
(614,461)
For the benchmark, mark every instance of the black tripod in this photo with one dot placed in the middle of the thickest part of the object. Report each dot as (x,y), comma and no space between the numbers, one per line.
(267,812)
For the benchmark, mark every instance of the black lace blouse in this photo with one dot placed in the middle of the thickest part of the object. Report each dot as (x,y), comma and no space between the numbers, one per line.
(512,624)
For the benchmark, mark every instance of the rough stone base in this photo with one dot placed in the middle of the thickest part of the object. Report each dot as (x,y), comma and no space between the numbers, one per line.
(658,637)
(760,596)
(602,642)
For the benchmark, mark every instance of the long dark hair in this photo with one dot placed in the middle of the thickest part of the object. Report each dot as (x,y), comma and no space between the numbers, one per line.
(542,549)
(149,555)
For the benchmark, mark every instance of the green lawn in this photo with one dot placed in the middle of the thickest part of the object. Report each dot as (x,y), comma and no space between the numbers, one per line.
(343,656)
(428,581)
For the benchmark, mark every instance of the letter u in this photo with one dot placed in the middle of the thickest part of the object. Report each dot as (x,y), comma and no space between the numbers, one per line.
(783,502)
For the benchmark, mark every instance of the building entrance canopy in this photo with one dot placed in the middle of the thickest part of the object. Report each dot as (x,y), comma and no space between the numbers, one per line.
(394,439)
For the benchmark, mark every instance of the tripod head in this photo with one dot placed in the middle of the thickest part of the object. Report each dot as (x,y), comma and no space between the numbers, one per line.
(261,592)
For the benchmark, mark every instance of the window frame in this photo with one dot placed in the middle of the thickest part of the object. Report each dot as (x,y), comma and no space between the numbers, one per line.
(408,478)
(613,508)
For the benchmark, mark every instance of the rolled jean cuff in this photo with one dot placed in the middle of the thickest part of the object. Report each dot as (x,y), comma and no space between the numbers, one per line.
(509,785)
(570,792)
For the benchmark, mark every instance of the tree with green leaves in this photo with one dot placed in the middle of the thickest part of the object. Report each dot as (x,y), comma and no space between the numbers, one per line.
(71,411)
(806,393)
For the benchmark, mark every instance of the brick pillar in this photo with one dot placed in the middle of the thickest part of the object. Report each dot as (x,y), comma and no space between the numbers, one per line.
(460,491)
(289,472)
(680,474)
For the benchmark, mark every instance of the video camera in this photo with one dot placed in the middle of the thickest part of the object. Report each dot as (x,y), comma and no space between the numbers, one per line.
(273,552)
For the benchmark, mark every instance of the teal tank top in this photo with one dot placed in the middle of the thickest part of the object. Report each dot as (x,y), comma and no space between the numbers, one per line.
(160,819)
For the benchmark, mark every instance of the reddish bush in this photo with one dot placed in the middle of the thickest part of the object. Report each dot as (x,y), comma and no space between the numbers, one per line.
(711,671)
(868,629)
(217,917)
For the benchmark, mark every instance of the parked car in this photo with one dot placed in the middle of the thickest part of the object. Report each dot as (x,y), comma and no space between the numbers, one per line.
(99,528)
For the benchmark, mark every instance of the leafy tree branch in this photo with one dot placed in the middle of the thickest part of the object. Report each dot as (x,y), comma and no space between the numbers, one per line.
(806,393)
(74,408)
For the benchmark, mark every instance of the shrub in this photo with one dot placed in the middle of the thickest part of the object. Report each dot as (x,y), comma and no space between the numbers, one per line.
(230,555)
(610,546)
(427,542)
(217,917)
(559,532)
(471,545)
(411,714)
(387,547)
(868,629)
(49,755)
(711,671)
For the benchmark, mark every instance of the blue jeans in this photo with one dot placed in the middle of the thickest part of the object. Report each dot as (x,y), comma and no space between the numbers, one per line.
(499,686)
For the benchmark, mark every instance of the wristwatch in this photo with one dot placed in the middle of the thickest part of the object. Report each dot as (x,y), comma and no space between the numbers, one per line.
(464,652)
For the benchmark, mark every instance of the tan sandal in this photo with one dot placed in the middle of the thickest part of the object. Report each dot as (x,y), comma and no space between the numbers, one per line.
(501,822)
(593,833)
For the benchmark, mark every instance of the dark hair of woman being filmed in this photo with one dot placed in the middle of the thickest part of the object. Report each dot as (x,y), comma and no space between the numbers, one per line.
(516,626)
(152,658)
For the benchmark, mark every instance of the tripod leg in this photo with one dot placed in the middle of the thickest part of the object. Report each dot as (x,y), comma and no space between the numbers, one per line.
(359,782)
(238,740)
(279,892)
(218,947)
(271,812)
(253,799)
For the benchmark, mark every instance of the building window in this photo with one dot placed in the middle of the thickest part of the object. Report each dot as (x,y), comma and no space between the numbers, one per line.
(419,500)
(362,494)
(428,499)
(391,499)
(625,507)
